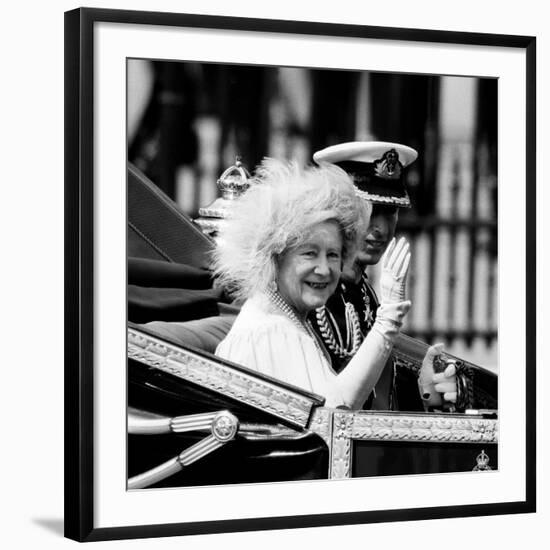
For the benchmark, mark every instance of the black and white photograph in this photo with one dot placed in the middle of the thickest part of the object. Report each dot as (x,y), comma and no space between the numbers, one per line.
(334,233)
(299,274)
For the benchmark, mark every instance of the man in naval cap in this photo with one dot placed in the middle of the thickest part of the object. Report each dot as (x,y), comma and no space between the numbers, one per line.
(378,171)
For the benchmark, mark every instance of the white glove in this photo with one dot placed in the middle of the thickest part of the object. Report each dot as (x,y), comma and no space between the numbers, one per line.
(395,267)
(359,377)
(436,389)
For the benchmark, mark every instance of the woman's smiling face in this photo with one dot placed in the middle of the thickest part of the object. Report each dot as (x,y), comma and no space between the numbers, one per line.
(308,274)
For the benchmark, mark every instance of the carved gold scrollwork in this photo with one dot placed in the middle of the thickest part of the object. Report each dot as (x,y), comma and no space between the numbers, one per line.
(341,445)
(321,424)
(424,428)
(359,425)
(218,377)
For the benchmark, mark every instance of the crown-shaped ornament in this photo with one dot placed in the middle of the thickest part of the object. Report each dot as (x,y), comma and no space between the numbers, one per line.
(482,460)
(233,182)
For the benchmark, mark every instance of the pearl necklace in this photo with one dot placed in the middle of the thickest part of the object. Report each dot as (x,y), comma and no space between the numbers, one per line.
(279,301)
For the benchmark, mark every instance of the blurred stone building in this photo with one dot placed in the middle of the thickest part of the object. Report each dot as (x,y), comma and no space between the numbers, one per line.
(188,121)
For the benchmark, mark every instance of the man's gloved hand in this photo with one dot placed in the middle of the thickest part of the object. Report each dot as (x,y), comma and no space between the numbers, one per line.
(395,267)
(436,389)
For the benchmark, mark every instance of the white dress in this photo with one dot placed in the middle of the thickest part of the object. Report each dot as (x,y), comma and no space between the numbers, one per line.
(264,339)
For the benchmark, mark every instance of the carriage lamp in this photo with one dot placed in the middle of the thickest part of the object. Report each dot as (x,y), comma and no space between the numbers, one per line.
(232,184)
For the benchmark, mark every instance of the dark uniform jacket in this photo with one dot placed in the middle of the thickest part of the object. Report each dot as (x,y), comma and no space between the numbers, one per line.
(335,328)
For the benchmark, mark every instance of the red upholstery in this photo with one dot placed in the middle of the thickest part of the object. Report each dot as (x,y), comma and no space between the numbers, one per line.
(204,333)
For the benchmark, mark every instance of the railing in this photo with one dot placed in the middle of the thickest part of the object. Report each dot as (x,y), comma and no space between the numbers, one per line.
(453,282)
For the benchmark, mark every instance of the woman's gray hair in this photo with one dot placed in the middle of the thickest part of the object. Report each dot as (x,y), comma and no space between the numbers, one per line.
(275,215)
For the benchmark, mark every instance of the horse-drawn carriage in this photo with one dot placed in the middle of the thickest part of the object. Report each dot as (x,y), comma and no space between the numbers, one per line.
(196,419)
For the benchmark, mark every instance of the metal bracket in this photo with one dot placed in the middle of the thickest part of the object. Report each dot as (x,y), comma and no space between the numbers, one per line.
(223,427)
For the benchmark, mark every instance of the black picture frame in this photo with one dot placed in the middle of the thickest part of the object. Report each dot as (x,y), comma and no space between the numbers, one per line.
(79,271)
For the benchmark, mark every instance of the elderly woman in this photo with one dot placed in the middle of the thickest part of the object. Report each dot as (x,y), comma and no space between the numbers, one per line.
(282,254)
